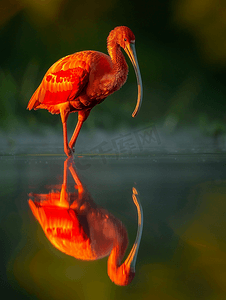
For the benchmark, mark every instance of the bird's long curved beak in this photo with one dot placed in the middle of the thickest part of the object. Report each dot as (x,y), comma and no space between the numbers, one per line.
(131,52)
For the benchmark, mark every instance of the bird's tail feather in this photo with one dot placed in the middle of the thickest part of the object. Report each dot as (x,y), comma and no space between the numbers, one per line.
(34,102)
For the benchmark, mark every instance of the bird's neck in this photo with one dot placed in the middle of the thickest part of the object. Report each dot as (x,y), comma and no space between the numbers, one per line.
(120,68)
(115,268)
(119,274)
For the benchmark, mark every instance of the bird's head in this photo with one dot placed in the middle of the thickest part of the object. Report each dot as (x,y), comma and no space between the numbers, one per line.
(123,275)
(124,37)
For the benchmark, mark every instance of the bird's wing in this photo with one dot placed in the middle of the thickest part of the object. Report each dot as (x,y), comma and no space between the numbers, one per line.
(63,82)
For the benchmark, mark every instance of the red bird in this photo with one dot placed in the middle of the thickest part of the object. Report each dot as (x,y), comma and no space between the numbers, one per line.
(82,80)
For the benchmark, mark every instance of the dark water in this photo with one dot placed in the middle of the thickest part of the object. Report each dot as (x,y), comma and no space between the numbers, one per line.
(182,253)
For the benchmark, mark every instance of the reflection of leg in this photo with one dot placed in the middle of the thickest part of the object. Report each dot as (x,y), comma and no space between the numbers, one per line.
(64,201)
(84,200)
(82,116)
(78,203)
(67,162)
(78,183)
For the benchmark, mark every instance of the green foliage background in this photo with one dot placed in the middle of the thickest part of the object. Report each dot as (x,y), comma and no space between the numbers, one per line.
(181,48)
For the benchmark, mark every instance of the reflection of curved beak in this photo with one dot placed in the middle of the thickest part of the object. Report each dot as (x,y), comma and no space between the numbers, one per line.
(131,259)
(131,52)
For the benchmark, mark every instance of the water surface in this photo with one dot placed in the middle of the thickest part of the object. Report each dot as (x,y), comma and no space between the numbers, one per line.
(183,248)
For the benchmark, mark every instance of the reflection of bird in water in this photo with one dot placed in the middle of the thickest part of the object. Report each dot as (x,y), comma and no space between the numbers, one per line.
(82,80)
(75,225)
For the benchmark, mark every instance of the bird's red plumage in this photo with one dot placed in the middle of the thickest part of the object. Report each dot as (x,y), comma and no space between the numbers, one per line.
(78,79)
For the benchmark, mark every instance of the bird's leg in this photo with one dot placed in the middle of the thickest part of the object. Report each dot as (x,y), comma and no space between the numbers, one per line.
(64,116)
(75,134)
(67,150)
(82,116)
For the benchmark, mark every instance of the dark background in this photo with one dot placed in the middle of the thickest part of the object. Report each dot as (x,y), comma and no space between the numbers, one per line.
(181,49)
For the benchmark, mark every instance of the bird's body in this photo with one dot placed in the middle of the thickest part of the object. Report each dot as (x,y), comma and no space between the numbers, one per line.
(78,82)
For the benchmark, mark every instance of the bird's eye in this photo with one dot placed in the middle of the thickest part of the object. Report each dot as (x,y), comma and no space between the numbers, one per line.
(125,40)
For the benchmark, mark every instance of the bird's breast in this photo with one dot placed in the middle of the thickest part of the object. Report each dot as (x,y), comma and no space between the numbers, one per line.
(103,84)
(104,78)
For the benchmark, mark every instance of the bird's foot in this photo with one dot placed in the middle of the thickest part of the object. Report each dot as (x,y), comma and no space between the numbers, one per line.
(72,149)
(71,145)
(68,151)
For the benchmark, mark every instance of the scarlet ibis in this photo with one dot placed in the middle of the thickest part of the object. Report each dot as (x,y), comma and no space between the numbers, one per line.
(77,226)
(82,80)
